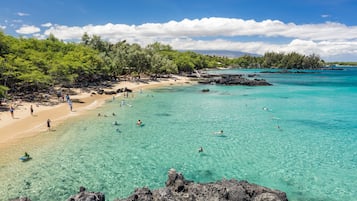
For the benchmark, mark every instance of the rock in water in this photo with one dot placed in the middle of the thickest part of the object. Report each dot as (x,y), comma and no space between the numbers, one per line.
(177,188)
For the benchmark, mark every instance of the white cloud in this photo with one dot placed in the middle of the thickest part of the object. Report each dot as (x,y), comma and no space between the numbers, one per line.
(323,48)
(28,29)
(22,14)
(48,24)
(326,39)
(2,27)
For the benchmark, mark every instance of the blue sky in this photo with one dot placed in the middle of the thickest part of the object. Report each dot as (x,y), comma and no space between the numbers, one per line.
(324,27)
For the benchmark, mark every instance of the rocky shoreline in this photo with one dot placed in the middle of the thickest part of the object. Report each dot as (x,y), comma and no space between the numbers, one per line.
(232,79)
(179,189)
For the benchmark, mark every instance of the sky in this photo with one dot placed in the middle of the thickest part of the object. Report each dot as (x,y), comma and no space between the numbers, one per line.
(327,28)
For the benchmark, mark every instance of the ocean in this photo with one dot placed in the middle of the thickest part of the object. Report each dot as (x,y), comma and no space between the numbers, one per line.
(298,135)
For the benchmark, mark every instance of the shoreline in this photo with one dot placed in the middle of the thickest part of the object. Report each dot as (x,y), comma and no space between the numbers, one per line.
(15,132)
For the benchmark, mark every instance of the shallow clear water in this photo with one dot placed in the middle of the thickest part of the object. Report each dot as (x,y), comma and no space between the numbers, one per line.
(304,142)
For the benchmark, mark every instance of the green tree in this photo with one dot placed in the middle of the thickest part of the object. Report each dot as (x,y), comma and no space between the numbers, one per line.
(3,91)
(162,65)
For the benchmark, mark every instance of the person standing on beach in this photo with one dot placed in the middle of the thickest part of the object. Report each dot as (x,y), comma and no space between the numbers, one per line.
(31,110)
(12,111)
(70,104)
(67,97)
(49,124)
(59,95)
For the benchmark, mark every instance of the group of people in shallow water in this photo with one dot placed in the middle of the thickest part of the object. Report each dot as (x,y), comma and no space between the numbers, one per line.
(104,115)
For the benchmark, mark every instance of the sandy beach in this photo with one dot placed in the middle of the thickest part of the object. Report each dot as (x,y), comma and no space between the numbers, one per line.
(23,126)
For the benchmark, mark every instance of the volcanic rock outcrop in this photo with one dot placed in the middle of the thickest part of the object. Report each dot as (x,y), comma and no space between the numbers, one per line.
(228,79)
(179,189)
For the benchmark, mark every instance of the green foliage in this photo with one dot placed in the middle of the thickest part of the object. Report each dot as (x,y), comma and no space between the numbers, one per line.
(4,46)
(158,47)
(34,80)
(29,64)
(247,61)
(32,64)
(3,91)
(162,65)
(291,60)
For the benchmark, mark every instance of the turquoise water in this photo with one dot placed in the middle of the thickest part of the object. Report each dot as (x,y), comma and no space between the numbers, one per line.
(304,142)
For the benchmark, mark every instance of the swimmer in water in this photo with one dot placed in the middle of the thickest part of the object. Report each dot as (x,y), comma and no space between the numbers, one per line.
(219,132)
(200,149)
(139,122)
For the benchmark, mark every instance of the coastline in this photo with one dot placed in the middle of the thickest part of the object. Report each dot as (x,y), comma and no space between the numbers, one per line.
(291,158)
(15,132)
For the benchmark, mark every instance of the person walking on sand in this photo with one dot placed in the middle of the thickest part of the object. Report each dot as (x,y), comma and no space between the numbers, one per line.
(49,124)
(70,104)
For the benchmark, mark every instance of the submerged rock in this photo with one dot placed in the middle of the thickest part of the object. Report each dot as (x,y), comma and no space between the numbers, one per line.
(205,90)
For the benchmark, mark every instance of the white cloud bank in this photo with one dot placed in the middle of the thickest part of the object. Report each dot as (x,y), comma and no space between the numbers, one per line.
(327,39)
(28,29)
